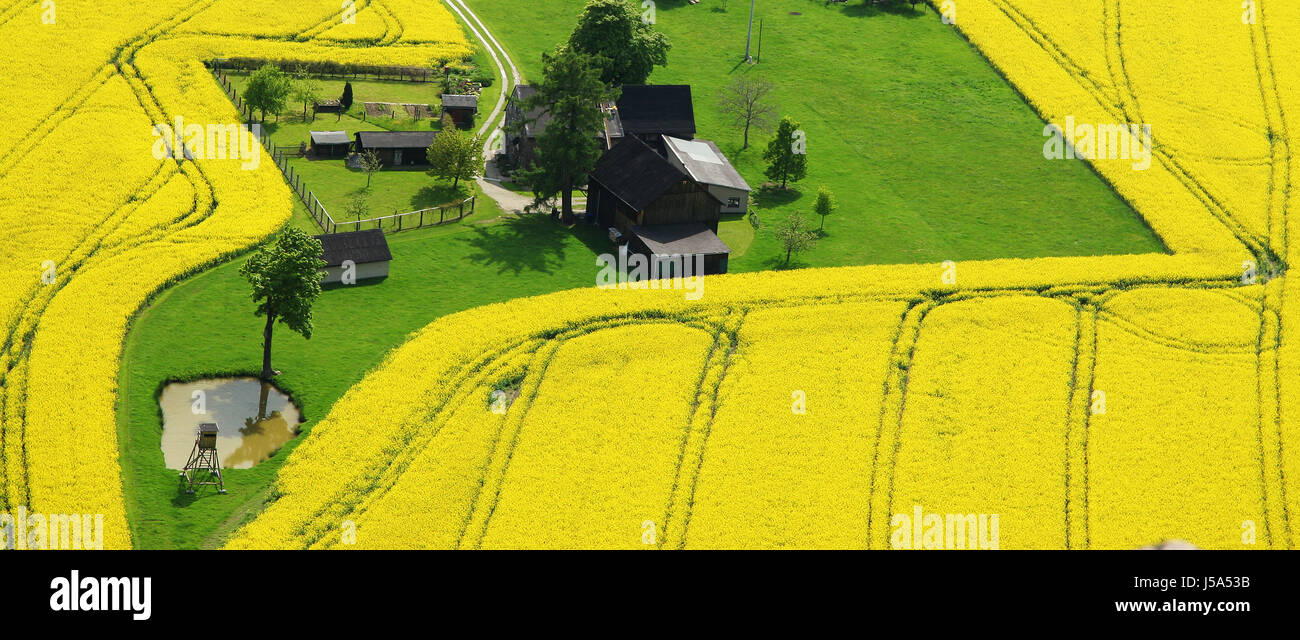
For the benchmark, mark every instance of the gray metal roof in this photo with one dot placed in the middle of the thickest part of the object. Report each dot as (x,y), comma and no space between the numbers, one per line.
(395,139)
(330,137)
(680,239)
(455,101)
(358,246)
(705,163)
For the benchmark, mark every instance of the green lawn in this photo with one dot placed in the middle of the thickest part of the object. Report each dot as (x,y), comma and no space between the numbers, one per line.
(206,326)
(931,155)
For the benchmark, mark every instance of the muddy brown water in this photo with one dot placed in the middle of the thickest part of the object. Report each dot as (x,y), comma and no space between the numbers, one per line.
(254,419)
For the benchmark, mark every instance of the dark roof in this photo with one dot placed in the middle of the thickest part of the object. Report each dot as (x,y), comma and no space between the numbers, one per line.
(705,163)
(395,139)
(635,174)
(535,120)
(453,101)
(657,108)
(358,246)
(330,137)
(680,239)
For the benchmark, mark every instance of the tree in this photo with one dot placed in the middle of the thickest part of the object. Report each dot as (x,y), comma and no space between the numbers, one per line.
(346,100)
(786,157)
(570,93)
(626,45)
(306,89)
(358,207)
(744,102)
(371,163)
(794,235)
(456,155)
(268,90)
(285,275)
(825,204)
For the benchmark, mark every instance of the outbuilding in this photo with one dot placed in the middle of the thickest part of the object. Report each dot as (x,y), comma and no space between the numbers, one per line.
(330,144)
(705,164)
(397,148)
(461,108)
(364,252)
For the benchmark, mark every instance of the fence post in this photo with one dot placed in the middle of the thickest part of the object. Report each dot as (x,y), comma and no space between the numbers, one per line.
(421,217)
(461,212)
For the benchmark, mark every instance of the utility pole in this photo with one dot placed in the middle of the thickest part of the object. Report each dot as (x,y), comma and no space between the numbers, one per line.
(750,35)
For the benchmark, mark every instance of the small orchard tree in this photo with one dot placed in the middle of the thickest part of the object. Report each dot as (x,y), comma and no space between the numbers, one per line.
(786,154)
(455,155)
(371,164)
(358,207)
(825,205)
(745,103)
(794,235)
(268,91)
(285,275)
(306,89)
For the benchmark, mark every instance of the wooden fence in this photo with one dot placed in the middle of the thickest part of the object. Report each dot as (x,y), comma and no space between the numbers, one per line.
(390,223)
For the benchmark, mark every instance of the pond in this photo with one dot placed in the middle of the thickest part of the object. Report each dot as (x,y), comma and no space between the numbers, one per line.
(254,419)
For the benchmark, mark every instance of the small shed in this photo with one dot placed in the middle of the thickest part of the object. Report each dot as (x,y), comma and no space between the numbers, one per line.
(330,144)
(461,108)
(397,148)
(685,241)
(327,106)
(367,250)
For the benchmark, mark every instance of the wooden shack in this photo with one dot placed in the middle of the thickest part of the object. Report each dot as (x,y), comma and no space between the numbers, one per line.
(396,148)
(366,250)
(330,144)
(461,108)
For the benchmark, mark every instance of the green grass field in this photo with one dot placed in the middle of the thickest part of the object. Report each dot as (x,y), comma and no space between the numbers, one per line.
(931,155)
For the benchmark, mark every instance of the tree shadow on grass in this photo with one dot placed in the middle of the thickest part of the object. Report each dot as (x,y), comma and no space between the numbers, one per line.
(532,243)
(776,196)
(434,195)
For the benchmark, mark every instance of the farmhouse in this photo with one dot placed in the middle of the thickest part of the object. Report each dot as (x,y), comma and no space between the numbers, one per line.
(645,111)
(330,144)
(396,148)
(462,109)
(657,207)
(705,164)
(367,250)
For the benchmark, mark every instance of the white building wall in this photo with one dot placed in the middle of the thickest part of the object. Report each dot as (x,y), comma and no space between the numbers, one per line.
(365,271)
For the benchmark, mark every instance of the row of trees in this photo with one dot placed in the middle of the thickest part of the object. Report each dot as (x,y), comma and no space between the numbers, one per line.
(270,90)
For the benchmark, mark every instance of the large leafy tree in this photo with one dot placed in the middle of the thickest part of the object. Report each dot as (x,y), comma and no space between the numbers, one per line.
(456,155)
(268,90)
(285,275)
(571,92)
(627,45)
(786,155)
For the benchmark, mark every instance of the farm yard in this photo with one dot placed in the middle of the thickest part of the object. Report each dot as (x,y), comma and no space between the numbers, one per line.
(1105,356)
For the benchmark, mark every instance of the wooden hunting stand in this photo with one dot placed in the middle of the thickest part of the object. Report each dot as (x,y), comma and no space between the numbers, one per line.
(203,459)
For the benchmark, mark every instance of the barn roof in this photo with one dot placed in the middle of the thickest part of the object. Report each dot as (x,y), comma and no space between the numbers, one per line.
(657,108)
(635,174)
(396,139)
(330,137)
(455,101)
(705,162)
(681,239)
(358,246)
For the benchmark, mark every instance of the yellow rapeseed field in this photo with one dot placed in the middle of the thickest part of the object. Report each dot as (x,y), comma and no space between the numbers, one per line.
(96,223)
(1107,402)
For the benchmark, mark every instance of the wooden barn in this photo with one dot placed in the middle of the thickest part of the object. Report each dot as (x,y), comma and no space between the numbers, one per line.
(368,251)
(330,144)
(397,148)
(660,209)
(462,109)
